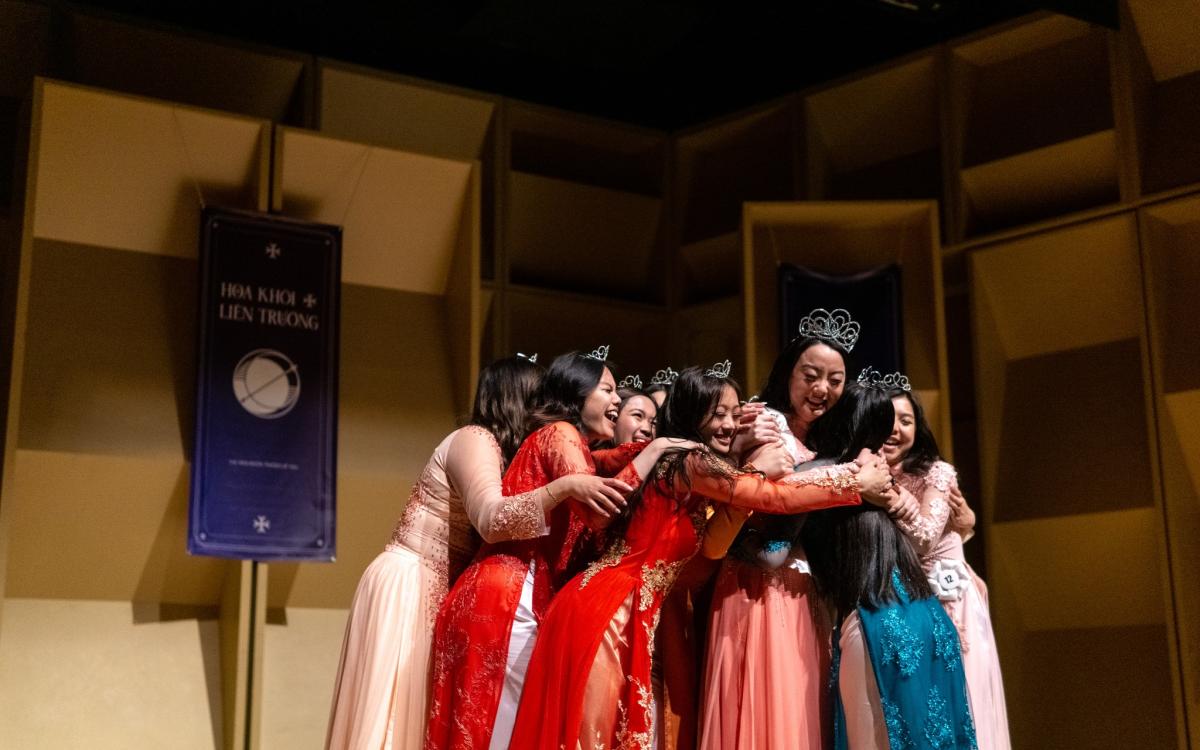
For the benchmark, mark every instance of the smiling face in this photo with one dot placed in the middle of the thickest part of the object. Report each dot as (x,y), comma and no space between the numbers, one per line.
(720,425)
(904,432)
(817,382)
(600,409)
(635,423)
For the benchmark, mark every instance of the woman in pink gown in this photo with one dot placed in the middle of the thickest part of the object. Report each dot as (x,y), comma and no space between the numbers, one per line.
(767,658)
(381,694)
(938,535)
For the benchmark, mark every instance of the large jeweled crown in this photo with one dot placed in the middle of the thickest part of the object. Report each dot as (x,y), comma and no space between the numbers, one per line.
(631,381)
(600,353)
(531,357)
(872,378)
(665,376)
(719,370)
(831,325)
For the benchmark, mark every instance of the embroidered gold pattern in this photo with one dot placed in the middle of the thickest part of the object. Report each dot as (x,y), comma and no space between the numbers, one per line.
(611,557)
(520,517)
(658,579)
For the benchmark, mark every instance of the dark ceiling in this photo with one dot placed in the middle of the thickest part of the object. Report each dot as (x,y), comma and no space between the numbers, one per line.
(661,63)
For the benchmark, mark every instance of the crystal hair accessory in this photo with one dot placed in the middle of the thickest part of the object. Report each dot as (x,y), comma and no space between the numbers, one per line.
(665,376)
(531,357)
(719,370)
(600,353)
(872,378)
(631,381)
(831,325)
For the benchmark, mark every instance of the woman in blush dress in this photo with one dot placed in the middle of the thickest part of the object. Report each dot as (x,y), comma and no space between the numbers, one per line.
(488,624)
(589,683)
(381,695)
(938,534)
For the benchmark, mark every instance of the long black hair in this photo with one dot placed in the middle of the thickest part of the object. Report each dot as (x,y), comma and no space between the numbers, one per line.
(924,451)
(504,397)
(691,402)
(853,551)
(569,380)
(776,392)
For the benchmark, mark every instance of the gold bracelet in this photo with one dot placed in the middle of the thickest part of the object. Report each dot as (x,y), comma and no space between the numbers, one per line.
(553,499)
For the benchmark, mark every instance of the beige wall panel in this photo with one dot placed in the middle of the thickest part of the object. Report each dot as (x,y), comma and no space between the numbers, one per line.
(878,117)
(1168,30)
(121,172)
(584,238)
(1048,31)
(300,665)
(1065,289)
(1049,569)
(88,674)
(708,333)
(1052,180)
(400,212)
(371,107)
(551,324)
(109,362)
(172,65)
(104,527)
(712,267)
(25,39)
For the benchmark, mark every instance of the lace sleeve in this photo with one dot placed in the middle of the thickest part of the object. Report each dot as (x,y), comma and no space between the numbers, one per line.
(564,451)
(751,491)
(822,476)
(930,525)
(610,461)
(474,466)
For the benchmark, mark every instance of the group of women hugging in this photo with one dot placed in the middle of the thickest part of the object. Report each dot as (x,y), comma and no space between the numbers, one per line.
(590,564)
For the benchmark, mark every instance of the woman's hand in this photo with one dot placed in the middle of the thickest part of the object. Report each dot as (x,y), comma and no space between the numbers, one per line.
(654,450)
(602,496)
(755,428)
(962,518)
(773,460)
(874,479)
(903,506)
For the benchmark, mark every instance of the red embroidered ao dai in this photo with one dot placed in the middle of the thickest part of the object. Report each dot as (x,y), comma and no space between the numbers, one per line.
(472,635)
(588,685)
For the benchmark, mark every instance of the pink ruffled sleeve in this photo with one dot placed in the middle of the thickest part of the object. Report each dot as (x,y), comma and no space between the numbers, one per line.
(927,530)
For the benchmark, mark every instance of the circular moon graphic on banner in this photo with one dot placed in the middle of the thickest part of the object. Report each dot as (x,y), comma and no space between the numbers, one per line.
(266,383)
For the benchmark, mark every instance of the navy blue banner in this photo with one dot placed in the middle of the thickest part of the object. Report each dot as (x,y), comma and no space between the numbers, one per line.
(872,298)
(265,458)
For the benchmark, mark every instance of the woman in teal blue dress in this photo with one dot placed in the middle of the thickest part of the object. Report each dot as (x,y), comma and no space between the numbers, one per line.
(897,678)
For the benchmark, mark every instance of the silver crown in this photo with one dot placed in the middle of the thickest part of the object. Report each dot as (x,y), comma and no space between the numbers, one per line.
(719,370)
(531,357)
(665,376)
(600,353)
(836,326)
(872,378)
(631,381)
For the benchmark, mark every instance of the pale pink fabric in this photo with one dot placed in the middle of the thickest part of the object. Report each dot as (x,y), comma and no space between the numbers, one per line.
(865,727)
(767,662)
(380,699)
(935,540)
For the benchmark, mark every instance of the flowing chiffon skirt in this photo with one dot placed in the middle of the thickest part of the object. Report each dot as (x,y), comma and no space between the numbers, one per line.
(767,667)
(382,690)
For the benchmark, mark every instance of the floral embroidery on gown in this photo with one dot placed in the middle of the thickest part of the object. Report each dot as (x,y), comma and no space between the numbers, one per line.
(472,634)
(963,595)
(588,685)
(381,694)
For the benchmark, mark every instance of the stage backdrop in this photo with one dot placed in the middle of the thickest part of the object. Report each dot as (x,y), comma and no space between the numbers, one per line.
(265,458)
(872,298)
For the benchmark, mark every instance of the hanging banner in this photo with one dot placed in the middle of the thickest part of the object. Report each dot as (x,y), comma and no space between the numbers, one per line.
(872,298)
(265,457)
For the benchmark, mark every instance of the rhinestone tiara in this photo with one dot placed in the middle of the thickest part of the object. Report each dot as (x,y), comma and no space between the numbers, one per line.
(531,357)
(719,370)
(631,381)
(665,376)
(831,325)
(600,353)
(872,378)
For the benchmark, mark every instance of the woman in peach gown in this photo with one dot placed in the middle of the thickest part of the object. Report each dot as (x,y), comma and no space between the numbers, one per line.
(381,694)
